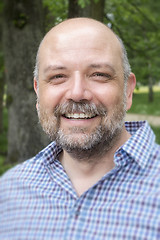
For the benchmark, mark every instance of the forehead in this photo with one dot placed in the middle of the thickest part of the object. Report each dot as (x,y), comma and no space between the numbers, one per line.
(77,39)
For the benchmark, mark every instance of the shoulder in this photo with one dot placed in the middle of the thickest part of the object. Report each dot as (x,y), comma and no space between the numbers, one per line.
(156,153)
(29,172)
(22,169)
(15,178)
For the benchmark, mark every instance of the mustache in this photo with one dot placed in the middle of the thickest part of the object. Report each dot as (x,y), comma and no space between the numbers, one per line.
(80,107)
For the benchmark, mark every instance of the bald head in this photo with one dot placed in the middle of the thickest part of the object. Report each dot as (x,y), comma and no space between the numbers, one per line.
(81,26)
(85,31)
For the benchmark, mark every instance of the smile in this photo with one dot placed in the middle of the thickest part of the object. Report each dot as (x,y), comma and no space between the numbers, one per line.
(79,116)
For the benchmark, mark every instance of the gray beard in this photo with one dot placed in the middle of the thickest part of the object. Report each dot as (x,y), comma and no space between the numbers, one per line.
(90,145)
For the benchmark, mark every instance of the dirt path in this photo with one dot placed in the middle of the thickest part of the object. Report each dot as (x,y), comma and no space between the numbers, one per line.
(153,120)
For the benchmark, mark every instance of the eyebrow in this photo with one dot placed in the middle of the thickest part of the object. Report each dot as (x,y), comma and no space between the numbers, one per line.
(54,67)
(102,65)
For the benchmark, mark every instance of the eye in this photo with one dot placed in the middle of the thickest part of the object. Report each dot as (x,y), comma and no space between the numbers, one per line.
(57,78)
(101,76)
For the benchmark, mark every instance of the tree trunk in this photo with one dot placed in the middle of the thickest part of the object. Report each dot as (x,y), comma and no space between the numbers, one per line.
(75,10)
(22,32)
(150,85)
(1,101)
(95,9)
(1,78)
(150,94)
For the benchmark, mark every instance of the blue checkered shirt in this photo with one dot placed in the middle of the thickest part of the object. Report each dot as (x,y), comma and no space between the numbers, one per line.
(38,202)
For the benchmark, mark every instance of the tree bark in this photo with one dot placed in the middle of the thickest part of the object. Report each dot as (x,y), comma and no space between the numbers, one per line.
(1,102)
(95,9)
(150,86)
(22,32)
(75,10)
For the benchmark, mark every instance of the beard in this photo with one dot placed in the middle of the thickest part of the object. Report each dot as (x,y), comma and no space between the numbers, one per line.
(76,140)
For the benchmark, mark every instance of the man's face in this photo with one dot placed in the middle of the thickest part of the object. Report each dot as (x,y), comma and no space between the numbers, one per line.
(81,97)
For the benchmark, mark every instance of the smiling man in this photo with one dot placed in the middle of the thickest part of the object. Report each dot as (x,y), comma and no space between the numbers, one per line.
(99,178)
(82,97)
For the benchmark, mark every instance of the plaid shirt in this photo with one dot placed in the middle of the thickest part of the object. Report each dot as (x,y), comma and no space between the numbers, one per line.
(38,202)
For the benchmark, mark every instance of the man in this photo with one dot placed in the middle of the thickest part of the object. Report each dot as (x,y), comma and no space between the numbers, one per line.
(99,178)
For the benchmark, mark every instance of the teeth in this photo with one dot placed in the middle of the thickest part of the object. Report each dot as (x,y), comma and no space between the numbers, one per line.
(79,115)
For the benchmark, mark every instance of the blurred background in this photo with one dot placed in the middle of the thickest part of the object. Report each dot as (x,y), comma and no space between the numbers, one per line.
(23,23)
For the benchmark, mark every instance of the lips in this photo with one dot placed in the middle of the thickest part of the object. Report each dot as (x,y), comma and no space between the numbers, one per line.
(79,116)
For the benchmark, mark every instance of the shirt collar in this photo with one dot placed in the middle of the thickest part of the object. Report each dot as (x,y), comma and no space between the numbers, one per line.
(140,145)
(48,155)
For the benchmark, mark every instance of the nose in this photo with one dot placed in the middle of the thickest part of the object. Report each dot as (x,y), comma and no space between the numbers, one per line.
(78,89)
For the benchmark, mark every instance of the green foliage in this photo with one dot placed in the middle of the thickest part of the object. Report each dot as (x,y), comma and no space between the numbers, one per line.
(138,23)
(1,52)
(20,20)
(3,144)
(1,6)
(55,12)
(1,65)
(3,166)
(3,135)
(83,3)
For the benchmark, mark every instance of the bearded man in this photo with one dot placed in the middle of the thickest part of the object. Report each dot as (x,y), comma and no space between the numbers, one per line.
(99,177)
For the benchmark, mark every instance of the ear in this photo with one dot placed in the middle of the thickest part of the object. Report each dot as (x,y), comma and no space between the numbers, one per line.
(130,88)
(35,84)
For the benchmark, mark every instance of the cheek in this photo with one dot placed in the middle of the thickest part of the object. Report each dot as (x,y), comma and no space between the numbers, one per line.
(49,97)
(109,97)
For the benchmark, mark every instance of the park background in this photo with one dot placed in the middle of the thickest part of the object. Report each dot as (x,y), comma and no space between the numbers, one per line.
(23,23)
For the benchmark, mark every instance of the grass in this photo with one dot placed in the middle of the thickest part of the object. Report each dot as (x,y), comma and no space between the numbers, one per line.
(144,89)
(141,105)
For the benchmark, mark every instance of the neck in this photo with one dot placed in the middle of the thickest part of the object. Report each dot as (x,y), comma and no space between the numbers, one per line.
(85,172)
